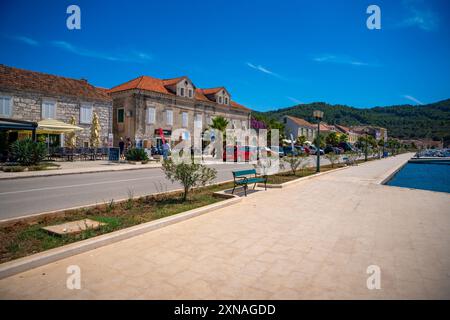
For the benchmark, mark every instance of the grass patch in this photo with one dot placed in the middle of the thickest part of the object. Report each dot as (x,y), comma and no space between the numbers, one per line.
(26,237)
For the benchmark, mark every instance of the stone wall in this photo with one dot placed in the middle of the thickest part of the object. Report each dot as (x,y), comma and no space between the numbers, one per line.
(27,106)
(135,126)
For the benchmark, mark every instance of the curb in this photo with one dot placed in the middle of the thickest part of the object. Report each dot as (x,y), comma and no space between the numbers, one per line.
(392,173)
(92,205)
(10,268)
(69,173)
(289,183)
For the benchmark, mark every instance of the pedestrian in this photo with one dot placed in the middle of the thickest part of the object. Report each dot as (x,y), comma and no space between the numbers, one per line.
(121,148)
(128,145)
(166,149)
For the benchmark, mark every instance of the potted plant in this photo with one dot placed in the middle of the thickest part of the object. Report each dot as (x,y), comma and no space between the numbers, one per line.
(135,155)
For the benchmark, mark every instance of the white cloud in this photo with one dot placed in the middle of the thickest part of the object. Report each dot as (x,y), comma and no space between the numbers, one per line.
(294,100)
(27,40)
(420,16)
(340,59)
(411,98)
(129,57)
(262,69)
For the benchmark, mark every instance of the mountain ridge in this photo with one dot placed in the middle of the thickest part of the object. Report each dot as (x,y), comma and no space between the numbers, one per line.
(430,121)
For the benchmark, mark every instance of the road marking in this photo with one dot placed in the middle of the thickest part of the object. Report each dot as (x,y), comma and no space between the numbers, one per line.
(86,184)
(73,185)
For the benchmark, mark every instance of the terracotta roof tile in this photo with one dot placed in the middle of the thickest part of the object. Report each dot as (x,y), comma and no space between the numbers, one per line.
(301,122)
(174,81)
(212,90)
(239,106)
(19,79)
(160,85)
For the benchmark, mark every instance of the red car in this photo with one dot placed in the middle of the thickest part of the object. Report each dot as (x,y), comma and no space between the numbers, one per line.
(237,154)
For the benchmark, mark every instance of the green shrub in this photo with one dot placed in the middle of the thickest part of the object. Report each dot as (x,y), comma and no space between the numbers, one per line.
(136,154)
(13,168)
(27,152)
(190,175)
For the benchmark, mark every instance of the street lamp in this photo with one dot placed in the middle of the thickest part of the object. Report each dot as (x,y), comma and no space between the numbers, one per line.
(318,115)
(366,131)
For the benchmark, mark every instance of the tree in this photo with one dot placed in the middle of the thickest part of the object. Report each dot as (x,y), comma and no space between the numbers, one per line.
(219,123)
(295,162)
(319,141)
(301,140)
(189,174)
(333,158)
(332,139)
(343,138)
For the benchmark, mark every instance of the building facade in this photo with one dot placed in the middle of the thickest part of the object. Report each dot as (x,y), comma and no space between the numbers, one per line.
(377,132)
(299,127)
(34,96)
(352,136)
(146,109)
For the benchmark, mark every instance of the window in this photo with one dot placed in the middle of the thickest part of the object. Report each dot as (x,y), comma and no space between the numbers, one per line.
(182,92)
(169,117)
(48,110)
(190,93)
(226,100)
(85,113)
(220,99)
(198,121)
(244,124)
(5,106)
(151,115)
(120,115)
(184,119)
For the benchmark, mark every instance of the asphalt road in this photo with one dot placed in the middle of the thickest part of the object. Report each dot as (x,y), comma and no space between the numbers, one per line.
(22,197)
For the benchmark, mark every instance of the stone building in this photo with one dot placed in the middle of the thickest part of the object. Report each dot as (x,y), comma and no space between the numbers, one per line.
(35,96)
(352,135)
(376,132)
(147,108)
(299,127)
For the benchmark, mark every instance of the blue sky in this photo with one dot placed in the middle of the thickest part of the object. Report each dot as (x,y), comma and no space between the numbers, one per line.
(269,54)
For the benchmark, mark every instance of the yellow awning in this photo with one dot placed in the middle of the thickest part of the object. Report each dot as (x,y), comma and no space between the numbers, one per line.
(54,127)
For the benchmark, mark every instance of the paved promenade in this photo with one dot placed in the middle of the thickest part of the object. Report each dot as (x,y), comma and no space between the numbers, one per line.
(312,240)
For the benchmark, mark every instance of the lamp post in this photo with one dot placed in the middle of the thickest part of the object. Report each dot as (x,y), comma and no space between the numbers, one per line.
(318,115)
(365,151)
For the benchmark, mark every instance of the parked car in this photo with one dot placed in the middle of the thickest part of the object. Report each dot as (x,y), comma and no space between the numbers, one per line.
(346,146)
(329,149)
(288,151)
(300,149)
(237,154)
(261,150)
(313,150)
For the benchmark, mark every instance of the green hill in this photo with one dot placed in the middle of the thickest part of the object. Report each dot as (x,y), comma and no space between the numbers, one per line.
(402,121)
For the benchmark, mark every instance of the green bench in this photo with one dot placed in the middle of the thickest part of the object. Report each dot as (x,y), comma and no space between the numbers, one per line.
(245,177)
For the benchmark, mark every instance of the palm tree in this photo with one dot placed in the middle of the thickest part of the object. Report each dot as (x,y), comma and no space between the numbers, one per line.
(219,123)
(301,140)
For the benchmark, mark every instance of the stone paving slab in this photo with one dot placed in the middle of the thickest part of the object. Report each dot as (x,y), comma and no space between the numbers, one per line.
(73,227)
(312,240)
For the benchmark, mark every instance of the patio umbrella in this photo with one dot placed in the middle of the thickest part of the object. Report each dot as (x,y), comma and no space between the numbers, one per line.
(52,126)
(95,131)
(71,138)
